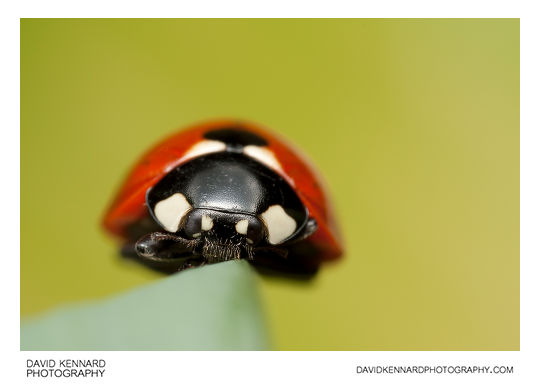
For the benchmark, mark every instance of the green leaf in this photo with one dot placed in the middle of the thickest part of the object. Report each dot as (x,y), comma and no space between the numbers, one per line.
(215,307)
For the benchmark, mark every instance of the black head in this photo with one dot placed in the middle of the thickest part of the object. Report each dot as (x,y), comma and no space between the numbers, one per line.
(226,205)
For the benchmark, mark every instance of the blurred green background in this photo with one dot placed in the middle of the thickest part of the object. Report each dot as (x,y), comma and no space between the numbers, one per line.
(414,123)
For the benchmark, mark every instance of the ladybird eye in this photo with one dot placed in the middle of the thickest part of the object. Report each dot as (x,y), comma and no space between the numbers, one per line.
(251,228)
(197,222)
(193,223)
(169,212)
(278,224)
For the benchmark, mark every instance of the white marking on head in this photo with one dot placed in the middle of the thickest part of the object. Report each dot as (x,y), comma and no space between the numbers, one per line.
(204,147)
(278,223)
(262,155)
(242,227)
(170,211)
(206,223)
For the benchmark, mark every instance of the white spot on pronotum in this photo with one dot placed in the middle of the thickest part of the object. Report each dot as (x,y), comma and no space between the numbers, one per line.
(242,227)
(170,211)
(204,147)
(263,155)
(278,223)
(195,235)
(206,223)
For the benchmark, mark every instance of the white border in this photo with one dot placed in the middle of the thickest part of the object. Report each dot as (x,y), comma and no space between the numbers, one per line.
(283,367)
(276,8)
(273,366)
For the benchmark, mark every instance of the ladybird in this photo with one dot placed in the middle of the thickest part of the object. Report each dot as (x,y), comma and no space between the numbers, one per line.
(220,191)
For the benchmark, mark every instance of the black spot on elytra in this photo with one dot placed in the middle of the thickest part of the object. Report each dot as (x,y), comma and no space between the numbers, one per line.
(235,137)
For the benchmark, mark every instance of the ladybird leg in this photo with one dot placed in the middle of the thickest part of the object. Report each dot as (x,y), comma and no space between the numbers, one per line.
(163,252)
(162,246)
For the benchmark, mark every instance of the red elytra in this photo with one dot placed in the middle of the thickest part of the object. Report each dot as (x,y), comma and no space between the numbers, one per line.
(129,205)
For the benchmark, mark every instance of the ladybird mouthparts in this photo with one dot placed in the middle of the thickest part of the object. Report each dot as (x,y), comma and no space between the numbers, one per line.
(214,252)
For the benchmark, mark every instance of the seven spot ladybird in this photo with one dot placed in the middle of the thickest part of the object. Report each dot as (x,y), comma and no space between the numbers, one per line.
(221,191)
